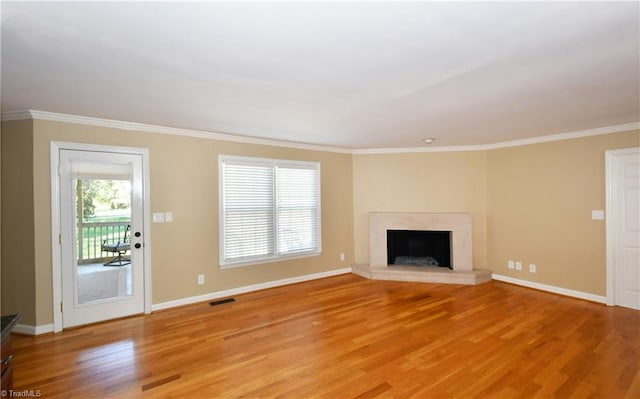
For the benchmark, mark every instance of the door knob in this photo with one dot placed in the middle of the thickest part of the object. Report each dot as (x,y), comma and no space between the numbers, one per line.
(137,245)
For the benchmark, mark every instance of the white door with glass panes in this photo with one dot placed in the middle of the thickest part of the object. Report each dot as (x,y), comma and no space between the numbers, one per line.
(101,221)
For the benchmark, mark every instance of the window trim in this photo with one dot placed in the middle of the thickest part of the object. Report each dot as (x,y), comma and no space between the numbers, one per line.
(226,264)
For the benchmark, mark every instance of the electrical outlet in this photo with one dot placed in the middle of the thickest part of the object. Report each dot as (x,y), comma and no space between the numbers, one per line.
(510,264)
(200,279)
(532,268)
(342,256)
(518,265)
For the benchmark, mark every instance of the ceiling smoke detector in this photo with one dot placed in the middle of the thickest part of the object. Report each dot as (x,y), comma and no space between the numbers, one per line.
(429,140)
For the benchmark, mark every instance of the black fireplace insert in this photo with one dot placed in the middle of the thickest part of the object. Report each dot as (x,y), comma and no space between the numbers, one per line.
(419,248)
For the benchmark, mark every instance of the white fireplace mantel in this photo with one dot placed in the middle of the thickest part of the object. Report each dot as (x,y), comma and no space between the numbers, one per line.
(459,224)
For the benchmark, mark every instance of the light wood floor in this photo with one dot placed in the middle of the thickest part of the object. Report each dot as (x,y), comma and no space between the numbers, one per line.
(349,337)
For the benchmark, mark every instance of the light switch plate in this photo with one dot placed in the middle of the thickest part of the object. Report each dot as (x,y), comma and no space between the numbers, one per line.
(168,217)
(158,217)
(597,215)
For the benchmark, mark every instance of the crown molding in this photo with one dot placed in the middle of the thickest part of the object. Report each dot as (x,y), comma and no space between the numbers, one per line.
(506,144)
(141,127)
(566,136)
(406,150)
(16,115)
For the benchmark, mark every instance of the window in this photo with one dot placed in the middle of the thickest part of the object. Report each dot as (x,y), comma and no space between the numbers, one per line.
(269,209)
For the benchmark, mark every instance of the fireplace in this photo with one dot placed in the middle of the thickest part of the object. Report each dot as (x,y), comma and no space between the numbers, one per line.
(456,225)
(419,248)
(421,233)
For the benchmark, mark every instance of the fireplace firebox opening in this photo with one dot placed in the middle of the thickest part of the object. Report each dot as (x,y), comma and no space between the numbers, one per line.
(419,248)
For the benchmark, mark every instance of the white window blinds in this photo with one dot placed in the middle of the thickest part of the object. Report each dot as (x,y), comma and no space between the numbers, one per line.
(269,209)
(297,209)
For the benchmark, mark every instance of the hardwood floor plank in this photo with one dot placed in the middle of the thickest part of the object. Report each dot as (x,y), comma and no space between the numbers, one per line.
(348,337)
(375,391)
(161,381)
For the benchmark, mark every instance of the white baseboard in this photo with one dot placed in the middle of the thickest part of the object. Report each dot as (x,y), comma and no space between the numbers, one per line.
(33,330)
(245,289)
(551,288)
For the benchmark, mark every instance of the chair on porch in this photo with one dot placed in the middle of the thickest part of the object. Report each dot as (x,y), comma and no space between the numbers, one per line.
(120,248)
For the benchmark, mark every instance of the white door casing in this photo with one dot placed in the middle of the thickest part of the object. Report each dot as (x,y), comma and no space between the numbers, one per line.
(623,227)
(63,225)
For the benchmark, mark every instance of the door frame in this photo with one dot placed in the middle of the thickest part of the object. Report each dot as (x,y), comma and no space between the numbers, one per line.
(611,224)
(56,247)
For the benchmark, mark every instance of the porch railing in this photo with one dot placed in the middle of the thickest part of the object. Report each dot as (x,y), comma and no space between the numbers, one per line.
(92,235)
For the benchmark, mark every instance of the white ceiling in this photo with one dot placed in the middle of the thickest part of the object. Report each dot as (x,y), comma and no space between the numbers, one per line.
(352,75)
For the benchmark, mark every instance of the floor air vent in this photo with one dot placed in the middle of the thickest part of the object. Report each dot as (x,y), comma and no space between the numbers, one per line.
(220,302)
